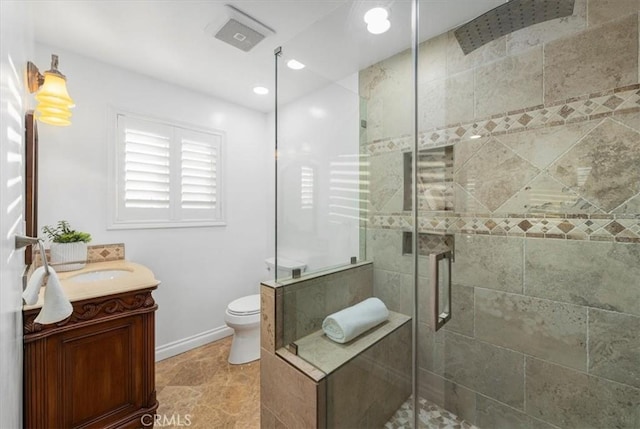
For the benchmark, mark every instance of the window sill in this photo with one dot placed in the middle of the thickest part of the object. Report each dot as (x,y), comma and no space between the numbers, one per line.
(165,225)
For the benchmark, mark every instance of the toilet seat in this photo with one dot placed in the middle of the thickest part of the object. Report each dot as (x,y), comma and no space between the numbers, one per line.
(245,306)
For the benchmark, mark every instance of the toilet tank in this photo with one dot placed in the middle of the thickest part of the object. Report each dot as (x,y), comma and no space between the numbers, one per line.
(285,266)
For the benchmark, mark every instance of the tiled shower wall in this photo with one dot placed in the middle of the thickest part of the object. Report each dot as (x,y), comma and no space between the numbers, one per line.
(546,294)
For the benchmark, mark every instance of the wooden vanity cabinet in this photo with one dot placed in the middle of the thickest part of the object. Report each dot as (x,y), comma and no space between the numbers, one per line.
(94,370)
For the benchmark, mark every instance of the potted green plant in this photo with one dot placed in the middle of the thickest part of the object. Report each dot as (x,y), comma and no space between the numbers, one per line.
(67,245)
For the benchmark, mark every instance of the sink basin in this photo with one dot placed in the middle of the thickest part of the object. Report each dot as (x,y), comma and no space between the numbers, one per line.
(94,276)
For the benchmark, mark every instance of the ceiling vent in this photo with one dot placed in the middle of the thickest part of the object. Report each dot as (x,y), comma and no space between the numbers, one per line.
(240,30)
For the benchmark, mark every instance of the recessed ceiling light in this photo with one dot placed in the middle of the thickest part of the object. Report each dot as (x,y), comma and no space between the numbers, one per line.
(295,65)
(260,90)
(377,20)
(376,14)
(379,27)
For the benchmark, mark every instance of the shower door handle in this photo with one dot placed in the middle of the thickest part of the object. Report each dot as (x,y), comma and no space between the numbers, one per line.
(437,260)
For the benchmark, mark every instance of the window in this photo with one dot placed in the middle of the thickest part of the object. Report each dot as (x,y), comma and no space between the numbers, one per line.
(166,175)
(306,187)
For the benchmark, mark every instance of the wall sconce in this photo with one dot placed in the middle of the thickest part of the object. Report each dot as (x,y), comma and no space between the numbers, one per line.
(54,103)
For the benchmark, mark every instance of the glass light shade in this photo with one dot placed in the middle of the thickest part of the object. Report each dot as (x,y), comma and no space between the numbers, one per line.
(53,120)
(54,101)
(53,115)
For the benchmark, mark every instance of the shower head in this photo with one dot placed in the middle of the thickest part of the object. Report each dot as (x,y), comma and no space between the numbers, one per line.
(507,18)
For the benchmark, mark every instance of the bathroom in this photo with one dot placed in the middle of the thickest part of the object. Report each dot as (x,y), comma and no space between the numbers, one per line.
(531,138)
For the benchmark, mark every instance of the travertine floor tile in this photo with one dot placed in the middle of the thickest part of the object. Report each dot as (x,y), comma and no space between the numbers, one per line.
(202,386)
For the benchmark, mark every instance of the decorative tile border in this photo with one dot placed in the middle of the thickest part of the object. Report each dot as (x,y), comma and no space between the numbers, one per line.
(578,109)
(427,243)
(105,252)
(95,253)
(595,227)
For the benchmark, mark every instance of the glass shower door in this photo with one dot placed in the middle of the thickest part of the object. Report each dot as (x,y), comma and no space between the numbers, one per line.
(515,151)
(345,123)
(544,125)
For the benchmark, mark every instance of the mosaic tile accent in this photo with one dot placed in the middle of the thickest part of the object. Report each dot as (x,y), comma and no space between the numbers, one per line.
(430,416)
(95,253)
(427,243)
(105,252)
(578,109)
(496,206)
(402,143)
(595,227)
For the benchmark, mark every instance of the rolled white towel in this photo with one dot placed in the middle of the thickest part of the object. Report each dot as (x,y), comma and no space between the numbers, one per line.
(30,294)
(350,322)
(56,306)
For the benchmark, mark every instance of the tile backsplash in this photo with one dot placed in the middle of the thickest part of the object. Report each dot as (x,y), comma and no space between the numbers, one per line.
(105,252)
(95,253)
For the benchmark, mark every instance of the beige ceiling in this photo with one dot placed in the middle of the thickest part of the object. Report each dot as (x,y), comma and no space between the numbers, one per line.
(166,39)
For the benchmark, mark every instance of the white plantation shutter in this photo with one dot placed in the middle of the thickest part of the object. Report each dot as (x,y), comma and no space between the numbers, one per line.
(146,169)
(199,158)
(166,175)
(306,187)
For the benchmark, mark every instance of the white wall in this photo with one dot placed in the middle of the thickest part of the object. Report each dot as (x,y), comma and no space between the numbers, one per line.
(320,130)
(201,269)
(16,47)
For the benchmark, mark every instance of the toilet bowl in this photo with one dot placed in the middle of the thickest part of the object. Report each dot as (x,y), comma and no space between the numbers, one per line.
(243,316)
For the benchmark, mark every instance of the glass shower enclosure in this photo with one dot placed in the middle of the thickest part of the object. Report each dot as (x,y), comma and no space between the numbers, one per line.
(479,161)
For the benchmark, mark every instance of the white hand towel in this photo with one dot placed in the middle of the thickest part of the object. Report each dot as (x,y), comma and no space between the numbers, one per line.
(30,294)
(347,324)
(56,306)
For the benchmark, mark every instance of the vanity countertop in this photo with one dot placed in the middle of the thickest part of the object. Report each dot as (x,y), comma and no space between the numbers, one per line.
(138,277)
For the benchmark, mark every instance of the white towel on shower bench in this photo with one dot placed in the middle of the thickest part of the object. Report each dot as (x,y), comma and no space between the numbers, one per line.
(350,322)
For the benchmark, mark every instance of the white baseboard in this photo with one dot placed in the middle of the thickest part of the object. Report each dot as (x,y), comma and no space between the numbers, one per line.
(186,344)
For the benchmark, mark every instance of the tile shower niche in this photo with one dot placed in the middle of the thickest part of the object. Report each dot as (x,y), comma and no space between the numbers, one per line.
(435,193)
(434,178)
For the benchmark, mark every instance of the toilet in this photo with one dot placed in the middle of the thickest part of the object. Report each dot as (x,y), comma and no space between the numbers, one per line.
(243,316)
(285,266)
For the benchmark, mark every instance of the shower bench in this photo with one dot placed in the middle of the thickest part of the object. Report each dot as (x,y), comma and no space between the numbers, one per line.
(310,381)
(328,356)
